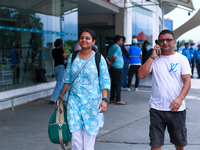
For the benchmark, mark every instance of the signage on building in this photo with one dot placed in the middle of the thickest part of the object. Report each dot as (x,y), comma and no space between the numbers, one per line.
(119,3)
(35,31)
(168,24)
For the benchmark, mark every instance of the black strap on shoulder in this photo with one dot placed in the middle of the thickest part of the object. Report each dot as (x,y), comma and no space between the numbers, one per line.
(74,56)
(97,59)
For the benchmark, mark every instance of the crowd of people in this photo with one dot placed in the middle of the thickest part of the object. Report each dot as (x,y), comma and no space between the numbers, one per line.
(126,59)
(193,55)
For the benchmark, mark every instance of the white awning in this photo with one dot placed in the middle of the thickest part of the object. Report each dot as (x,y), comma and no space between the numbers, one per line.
(185,3)
(190,24)
(168,5)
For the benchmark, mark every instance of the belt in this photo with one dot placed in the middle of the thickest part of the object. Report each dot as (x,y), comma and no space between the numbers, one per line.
(135,56)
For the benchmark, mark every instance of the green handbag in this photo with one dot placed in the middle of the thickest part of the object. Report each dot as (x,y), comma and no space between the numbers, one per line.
(58,129)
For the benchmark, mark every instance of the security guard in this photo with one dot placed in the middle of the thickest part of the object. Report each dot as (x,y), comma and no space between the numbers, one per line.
(186,52)
(197,60)
(192,53)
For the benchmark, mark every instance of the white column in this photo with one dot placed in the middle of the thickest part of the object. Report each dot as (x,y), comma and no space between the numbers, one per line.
(163,12)
(123,22)
(128,22)
(56,5)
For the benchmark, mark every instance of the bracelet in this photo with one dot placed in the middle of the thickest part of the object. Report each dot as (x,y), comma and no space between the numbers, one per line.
(105,99)
(152,57)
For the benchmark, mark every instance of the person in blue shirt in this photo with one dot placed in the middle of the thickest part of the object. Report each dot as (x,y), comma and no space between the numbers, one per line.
(116,62)
(41,56)
(135,59)
(186,52)
(197,60)
(192,53)
(15,62)
(125,56)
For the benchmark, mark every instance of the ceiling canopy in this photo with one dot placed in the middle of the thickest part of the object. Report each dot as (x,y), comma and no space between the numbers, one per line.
(185,3)
(48,7)
(168,5)
(190,24)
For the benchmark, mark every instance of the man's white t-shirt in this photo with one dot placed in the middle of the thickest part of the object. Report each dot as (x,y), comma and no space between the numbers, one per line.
(167,81)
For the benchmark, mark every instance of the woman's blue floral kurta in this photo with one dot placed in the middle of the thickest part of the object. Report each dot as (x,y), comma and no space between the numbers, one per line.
(85,94)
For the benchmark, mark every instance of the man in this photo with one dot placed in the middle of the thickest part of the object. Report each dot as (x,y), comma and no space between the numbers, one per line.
(192,53)
(135,57)
(186,52)
(197,60)
(116,62)
(125,56)
(171,82)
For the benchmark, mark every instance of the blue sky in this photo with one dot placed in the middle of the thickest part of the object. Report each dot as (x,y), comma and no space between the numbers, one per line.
(180,16)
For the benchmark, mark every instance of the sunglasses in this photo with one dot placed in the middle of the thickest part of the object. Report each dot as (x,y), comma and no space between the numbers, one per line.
(163,40)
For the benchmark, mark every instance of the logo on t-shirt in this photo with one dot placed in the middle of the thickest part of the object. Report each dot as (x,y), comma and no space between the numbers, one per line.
(173,67)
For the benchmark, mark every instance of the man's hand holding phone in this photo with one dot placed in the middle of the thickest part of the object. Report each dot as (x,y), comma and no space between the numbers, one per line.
(156,51)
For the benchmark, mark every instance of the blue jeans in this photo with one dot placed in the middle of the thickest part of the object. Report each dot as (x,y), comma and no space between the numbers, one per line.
(59,75)
(125,73)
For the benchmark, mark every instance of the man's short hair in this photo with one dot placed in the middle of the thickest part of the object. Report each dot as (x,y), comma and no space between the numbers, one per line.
(165,32)
(117,38)
(186,43)
(123,38)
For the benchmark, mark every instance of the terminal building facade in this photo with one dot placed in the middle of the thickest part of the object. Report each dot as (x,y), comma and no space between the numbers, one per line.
(30,28)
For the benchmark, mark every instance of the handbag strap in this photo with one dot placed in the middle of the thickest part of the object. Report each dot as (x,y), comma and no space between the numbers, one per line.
(79,70)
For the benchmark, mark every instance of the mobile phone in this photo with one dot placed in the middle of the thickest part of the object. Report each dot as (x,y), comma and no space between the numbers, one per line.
(57,103)
(108,61)
(158,52)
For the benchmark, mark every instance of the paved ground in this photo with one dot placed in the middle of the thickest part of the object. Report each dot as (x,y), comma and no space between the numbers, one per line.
(126,127)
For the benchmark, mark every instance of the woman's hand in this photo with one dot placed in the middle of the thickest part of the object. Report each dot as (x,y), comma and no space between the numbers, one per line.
(103,106)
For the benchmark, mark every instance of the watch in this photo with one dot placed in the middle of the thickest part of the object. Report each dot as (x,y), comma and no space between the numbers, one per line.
(105,99)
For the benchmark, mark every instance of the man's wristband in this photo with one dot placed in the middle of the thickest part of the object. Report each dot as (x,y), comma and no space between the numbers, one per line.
(105,99)
(152,57)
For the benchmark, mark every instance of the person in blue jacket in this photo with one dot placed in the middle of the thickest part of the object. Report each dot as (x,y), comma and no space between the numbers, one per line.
(197,60)
(135,59)
(125,56)
(186,52)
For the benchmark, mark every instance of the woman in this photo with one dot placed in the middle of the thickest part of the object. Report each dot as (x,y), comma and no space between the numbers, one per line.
(144,51)
(59,56)
(85,105)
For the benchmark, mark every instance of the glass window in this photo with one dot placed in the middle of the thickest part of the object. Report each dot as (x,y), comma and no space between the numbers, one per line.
(142,24)
(27,34)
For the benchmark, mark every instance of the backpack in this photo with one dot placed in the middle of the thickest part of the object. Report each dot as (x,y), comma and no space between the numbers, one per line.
(97,59)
